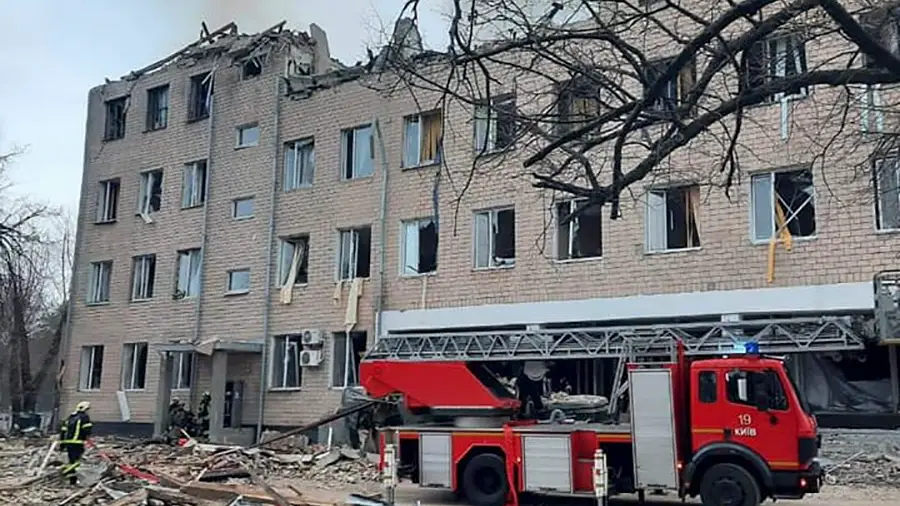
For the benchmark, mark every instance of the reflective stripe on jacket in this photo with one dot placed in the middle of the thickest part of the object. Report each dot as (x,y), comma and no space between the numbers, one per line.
(76,429)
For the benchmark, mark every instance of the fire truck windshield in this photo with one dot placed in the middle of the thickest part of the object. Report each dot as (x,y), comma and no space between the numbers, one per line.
(801,396)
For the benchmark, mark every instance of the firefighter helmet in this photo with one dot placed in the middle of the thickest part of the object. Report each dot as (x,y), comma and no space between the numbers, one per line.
(82,406)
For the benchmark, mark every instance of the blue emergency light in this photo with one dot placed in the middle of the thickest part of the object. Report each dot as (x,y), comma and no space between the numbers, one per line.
(751,348)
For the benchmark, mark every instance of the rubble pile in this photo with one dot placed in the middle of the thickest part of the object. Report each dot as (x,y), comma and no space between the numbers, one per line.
(861,457)
(132,473)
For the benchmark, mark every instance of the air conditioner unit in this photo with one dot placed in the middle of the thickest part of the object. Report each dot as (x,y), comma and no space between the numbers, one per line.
(312,337)
(310,358)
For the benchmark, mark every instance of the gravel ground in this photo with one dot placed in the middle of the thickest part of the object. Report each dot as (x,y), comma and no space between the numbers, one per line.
(862,457)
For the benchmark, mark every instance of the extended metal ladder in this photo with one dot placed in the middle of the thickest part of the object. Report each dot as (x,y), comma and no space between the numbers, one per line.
(624,343)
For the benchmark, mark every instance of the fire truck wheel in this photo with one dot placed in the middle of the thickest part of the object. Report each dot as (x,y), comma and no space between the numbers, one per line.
(484,480)
(729,485)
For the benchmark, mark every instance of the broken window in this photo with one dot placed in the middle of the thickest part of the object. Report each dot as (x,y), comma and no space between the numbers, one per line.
(776,58)
(108,201)
(101,274)
(134,366)
(676,89)
(188,284)
(299,164)
(708,390)
(238,281)
(783,200)
(357,152)
(581,236)
(744,387)
(150,196)
(241,209)
(200,97)
(495,238)
(247,136)
(158,107)
(346,356)
(286,370)
(116,113)
(193,187)
(578,103)
(672,215)
(143,277)
(422,139)
(91,367)
(419,248)
(884,26)
(182,370)
(355,252)
(495,124)
(887,192)
(251,67)
(293,261)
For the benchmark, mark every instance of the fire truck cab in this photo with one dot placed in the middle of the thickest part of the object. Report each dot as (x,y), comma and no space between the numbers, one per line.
(734,431)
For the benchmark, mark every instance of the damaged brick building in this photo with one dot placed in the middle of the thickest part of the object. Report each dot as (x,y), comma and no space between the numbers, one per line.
(253,213)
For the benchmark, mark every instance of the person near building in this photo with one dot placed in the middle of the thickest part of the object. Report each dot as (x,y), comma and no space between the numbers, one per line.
(73,435)
(203,414)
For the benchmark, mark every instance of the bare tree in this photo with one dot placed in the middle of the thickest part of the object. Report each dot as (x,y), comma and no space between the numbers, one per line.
(598,96)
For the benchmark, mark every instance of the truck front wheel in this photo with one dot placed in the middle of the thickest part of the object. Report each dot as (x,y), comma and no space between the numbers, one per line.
(729,485)
(484,480)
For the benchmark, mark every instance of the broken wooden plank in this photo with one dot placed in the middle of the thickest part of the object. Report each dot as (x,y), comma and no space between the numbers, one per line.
(136,497)
(215,492)
(170,496)
(223,475)
(167,480)
(279,499)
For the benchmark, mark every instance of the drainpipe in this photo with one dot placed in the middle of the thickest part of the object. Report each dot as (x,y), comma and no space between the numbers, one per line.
(382,219)
(198,310)
(66,345)
(264,366)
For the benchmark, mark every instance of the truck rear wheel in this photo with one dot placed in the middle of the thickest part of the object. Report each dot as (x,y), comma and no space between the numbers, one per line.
(729,485)
(484,480)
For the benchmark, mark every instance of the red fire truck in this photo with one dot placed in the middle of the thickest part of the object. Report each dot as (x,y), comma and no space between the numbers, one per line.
(732,429)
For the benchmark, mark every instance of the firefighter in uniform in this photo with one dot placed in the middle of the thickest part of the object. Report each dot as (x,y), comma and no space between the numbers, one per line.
(73,434)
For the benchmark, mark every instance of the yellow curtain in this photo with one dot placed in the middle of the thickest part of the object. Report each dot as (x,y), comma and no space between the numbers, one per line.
(692,209)
(431,136)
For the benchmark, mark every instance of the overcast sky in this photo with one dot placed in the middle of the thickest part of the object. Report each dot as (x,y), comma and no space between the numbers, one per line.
(54,51)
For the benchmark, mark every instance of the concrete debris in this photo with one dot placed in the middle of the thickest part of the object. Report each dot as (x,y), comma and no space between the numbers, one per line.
(861,457)
(135,473)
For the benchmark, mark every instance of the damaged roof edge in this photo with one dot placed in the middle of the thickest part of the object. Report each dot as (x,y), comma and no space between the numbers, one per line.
(227,41)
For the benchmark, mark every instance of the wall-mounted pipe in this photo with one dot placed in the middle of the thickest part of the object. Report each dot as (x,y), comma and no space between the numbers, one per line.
(270,246)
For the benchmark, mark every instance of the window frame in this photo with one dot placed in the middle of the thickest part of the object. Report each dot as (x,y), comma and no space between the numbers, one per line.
(354,253)
(96,280)
(573,205)
(140,267)
(877,164)
(128,384)
(751,402)
(419,118)
(282,244)
(492,220)
(108,201)
(348,338)
(649,209)
(404,260)
(235,205)
(157,109)
(296,172)
(286,340)
(199,110)
(700,392)
(776,68)
(240,130)
(90,365)
(145,192)
(116,118)
(490,124)
(195,176)
(189,254)
(179,359)
(773,199)
(229,288)
(348,157)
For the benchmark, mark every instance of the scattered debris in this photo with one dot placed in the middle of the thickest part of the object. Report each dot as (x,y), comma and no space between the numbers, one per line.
(861,457)
(135,473)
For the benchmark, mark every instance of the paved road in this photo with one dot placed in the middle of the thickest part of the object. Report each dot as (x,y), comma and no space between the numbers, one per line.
(831,496)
